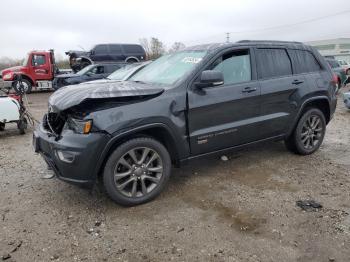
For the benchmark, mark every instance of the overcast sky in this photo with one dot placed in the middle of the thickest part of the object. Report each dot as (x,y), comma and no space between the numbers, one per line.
(68,24)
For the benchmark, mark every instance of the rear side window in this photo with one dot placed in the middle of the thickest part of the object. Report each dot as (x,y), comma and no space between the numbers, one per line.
(273,63)
(115,49)
(304,61)
(101,49)
(132,49)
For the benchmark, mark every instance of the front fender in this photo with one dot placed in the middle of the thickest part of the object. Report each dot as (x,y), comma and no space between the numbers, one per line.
(120,136)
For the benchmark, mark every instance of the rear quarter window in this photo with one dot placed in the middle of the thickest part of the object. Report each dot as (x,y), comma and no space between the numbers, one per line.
(304,61)
(273,62)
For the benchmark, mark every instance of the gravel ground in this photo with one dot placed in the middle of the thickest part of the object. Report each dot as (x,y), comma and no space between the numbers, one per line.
(243,209)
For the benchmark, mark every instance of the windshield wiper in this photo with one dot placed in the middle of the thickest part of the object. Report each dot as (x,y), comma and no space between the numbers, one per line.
(138,81)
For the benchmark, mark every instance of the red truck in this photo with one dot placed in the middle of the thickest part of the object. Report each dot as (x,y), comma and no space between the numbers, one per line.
(38,71)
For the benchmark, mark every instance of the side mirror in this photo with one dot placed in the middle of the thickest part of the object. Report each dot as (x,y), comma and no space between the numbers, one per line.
(92,52)
(210,78)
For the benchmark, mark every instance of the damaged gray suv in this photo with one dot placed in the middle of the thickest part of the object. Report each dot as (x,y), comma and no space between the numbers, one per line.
(200,101)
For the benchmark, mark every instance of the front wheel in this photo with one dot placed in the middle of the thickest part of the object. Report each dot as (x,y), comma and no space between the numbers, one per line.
(137,171)
(22,86)
(308,134)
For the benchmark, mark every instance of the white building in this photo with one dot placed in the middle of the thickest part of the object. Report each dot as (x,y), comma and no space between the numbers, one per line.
(339,48)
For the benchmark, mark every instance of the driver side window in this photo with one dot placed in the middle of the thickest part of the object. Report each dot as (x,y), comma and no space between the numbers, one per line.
(38,60)
(235,66)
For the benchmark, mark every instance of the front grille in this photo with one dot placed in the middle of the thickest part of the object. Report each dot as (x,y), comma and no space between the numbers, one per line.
(53,123)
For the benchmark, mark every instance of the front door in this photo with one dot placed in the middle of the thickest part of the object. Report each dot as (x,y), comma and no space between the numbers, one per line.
(227,115)
(40,67)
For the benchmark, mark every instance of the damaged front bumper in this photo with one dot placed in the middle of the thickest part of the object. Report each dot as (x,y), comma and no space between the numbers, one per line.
(72,156)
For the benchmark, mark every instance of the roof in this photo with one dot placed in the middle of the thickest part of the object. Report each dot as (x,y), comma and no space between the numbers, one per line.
(215,46)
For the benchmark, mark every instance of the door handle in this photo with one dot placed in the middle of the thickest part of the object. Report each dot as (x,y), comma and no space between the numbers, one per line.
(248,89)
(297,82)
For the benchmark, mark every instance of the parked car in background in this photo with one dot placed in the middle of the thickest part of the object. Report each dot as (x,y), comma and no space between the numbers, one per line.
(345,65)
(199,101)
(89,73)
(129,53)
(123,73)
(346,98)
(339,71)
(38,71)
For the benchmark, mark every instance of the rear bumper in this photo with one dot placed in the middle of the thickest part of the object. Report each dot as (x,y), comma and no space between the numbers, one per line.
(84,152)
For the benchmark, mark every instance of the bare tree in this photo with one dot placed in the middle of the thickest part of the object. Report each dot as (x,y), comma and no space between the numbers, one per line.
(145,44)
(154,48)
(177,46)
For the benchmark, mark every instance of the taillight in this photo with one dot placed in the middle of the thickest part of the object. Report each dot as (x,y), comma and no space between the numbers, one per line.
(334,81)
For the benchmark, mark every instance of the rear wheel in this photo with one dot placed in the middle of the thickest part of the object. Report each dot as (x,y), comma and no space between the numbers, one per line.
(137,171)
(308,134)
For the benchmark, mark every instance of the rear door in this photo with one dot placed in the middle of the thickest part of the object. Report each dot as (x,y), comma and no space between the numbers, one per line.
(227,115)
(278,90)
(116,52)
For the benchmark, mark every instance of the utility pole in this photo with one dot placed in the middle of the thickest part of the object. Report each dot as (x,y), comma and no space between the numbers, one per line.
(227,37)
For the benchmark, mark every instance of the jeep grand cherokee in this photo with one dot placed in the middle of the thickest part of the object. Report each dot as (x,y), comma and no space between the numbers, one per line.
(203,100)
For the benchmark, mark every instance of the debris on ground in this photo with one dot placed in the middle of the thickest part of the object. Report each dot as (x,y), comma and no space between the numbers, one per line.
(6,256)
(180,230)
(224,158)
(48,175)
(309,205)
(17,246)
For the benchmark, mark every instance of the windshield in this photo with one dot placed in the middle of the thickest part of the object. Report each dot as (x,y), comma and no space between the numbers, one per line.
(85,70)
(122,72)
(169,68)
(25,62)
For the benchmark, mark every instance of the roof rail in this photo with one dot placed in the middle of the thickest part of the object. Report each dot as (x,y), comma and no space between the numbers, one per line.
(269,41)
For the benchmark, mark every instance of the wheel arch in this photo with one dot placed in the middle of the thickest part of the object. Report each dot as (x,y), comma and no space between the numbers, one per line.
(132,58)
(27,77)
(320,102)
(159,132)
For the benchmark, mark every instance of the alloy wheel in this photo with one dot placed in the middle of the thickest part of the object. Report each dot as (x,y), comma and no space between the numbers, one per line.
(311,132)
(138,172)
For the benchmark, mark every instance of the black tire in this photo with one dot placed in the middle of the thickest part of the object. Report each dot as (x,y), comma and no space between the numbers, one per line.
(27,86)
(2,126)
(116,162)
(307,137)
(22,126)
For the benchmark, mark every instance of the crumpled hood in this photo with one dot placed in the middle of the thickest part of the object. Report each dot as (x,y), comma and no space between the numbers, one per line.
(73,95)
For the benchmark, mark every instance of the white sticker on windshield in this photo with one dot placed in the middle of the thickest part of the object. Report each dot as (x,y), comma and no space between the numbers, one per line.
(192,60)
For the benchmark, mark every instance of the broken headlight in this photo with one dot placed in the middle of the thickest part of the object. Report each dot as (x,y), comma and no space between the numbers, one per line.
(79,126)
